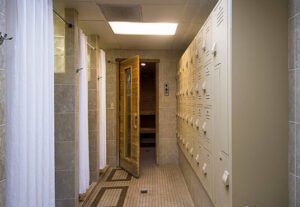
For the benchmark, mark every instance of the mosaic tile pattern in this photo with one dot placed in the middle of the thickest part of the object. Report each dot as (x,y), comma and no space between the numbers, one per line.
(118,175)
(165,184)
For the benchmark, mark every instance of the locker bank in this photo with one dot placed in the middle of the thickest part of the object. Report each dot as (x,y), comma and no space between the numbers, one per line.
(161,103)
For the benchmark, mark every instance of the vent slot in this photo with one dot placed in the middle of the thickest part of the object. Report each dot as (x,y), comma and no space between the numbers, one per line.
(117,13)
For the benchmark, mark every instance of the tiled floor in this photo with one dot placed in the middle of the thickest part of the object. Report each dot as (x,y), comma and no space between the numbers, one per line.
(165,185)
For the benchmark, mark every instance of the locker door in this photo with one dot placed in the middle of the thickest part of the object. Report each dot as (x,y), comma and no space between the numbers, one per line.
(220,62)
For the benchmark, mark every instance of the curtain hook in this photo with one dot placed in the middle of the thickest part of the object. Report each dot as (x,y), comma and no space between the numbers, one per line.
(4,37)
(78,70)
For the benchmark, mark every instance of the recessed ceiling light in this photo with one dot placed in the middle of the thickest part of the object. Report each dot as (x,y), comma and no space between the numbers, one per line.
(141,28)
(143,64)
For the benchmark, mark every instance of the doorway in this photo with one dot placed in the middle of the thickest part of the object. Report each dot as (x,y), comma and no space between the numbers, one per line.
(137,133)
(147,112)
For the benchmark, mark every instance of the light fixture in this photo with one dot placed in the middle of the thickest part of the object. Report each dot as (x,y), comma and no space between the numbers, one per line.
(143,64)
(141,28)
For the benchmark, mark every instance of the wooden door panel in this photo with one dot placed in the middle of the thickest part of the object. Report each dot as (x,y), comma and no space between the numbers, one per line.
(129,115)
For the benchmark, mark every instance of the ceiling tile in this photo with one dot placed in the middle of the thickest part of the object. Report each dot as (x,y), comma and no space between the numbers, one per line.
(143,2)
(86,10)
(101,28)
(162,13)
(185,34)
(145,42)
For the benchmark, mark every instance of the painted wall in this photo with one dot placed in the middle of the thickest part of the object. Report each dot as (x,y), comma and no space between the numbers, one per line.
(167,146)
(2,103)
(294,103)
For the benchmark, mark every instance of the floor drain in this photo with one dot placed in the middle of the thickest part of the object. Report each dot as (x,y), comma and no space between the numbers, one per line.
(143,191)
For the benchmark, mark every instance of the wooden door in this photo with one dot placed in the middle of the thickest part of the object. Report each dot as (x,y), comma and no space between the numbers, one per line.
(130,115)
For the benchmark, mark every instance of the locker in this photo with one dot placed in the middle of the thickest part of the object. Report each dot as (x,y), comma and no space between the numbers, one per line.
(222,181)
(207,129)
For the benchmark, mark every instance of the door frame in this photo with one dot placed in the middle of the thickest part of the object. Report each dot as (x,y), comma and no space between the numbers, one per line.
(157,147)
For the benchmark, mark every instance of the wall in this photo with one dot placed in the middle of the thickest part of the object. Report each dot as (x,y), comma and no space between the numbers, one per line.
(2,103)
(93,107)
(294,102)
(259,103)
(66,114)
(167,147)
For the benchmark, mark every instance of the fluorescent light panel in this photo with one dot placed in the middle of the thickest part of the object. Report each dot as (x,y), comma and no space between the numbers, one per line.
(141,28)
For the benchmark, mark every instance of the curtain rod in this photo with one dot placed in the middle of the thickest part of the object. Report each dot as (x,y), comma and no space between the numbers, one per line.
(57,14)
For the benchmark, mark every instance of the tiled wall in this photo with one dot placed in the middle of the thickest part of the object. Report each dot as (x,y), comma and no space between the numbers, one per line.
(66,112)
(2,103)
(294,101)
(93,107)
(167,146)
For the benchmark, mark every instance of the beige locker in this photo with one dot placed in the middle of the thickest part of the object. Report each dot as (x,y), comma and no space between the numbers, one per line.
(222,181)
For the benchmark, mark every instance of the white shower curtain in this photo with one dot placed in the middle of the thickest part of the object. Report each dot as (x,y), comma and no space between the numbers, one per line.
(84,171)
(102,110)
(30,104)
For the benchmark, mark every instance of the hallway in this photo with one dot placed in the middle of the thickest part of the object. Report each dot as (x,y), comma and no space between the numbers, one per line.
(149,103)
(165,184)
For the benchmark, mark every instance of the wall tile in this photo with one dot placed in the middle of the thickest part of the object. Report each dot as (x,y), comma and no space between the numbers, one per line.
(167,123)
(2,193)
(93,140)
(2,152)
(168,152)
(2,97)
(294,42)
(69,77)
(292,190)
(292,147)
(65,203)
(2,6)
(297,191)
(65,155)
(297,96)
(92,99)
(292,88)
(3,47)
(92,121)
(111,147)
(64,184)
(294,7)
(111,161)
(93,161)
(94,79)
(64,127)
(93,176)
(64,98)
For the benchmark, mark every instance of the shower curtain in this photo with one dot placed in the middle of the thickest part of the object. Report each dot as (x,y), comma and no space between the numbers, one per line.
(102,110)
(30,104)
(84,171)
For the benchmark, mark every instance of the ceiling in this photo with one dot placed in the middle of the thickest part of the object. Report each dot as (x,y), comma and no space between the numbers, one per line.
(190,14)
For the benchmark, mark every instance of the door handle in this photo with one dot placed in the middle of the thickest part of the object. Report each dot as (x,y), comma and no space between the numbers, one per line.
(135,121)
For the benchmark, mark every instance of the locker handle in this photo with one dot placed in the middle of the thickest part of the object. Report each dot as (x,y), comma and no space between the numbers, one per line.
(191,152)
(214,49)
(204,86)
(204,45)
(197,159)
(187,146)
(204,169)
(204,127)
(135,121)
(225,178)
